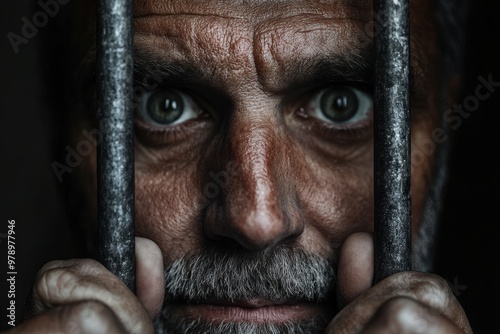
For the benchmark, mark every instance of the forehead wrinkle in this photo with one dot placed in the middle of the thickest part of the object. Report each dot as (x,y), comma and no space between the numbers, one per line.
(285,45)
(236,53)
(254,11)
(218,46)
(275,50)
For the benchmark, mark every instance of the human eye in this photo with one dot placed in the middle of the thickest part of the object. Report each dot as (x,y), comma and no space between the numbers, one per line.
(167,115)
(342,106)
(167,107)
(338,113)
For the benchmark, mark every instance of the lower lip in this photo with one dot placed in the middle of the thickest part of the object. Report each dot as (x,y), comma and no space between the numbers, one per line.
(272,313)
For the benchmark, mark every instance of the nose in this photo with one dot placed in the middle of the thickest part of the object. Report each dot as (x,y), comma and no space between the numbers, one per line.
(257,209)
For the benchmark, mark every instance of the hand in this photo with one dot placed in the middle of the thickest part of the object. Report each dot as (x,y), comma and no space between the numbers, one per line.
(408,302)
(81,296)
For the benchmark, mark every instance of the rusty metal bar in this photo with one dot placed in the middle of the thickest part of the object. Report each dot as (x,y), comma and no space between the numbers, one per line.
(392,138)
(115,170)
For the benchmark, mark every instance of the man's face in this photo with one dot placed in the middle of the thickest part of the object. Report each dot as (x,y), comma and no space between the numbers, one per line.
(254,138)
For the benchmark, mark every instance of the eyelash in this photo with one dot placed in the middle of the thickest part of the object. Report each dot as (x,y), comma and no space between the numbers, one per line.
(339,133)
(158,135)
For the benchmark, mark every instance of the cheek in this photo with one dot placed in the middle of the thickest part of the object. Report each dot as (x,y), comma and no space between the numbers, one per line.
(168,209)
(337,197)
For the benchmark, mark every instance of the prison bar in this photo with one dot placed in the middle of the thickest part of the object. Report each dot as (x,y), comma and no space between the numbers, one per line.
(392,168)
(115,167)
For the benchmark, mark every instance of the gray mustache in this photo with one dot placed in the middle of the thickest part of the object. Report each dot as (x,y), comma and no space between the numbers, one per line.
(278,274)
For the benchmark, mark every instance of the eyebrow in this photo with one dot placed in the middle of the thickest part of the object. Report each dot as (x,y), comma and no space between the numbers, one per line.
(355,67)
(333,69)
(147,66)
(309,72)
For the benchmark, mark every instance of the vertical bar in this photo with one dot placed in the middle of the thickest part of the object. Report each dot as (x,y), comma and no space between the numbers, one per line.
(392,138)
(115,170)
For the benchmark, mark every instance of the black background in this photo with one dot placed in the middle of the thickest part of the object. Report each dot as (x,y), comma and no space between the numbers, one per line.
(469,238)
(469,247)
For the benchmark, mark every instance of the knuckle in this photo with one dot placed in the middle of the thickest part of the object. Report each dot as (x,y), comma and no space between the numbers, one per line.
(84,266)
(438,281)
(95,317)
(431,290)
(91,317)
(393,307)
(89,267)
(91,310)
(60,279)
(51,265)
(48,267)
(401,314)
(54,281)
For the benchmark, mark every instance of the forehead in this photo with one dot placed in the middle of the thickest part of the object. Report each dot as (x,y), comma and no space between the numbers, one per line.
(264,41)
(250,10)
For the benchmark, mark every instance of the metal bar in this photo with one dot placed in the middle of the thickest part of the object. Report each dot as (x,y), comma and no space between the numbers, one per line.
(392,138)
(115,170)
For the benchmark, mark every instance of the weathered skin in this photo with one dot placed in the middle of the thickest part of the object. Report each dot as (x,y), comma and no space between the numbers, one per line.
(295,180)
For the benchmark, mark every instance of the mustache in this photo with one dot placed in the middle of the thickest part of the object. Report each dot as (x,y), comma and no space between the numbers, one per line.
(281,273)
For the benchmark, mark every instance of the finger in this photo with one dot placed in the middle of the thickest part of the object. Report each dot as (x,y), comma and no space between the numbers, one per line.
(80,318)
(73,281)
(428,289)
(150,279)
(355,267)
(404,315)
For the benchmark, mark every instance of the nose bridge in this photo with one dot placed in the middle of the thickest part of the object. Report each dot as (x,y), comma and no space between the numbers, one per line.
(252,206)
(254,150)
(251,211)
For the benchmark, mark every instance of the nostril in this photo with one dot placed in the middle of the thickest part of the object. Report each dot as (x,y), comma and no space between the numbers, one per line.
(292,238)
(251,228)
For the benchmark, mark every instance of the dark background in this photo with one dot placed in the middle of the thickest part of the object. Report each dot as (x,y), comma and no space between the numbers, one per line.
(469,245)
(469,238)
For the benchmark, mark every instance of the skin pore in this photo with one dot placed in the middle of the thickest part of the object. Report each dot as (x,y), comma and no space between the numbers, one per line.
(254,177)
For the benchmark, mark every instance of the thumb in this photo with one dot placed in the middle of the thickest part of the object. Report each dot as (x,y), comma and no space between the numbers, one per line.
(355,267)
(149,270)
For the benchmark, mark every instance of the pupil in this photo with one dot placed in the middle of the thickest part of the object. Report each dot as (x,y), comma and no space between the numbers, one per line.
(170,104)
(165,107)
(339,105)
(341,102)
